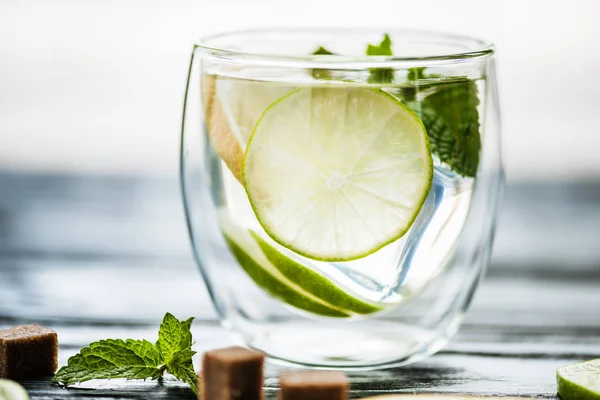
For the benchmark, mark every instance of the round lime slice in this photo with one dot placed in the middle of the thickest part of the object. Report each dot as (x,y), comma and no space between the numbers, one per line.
(10,390)
(336,173)
(579,381)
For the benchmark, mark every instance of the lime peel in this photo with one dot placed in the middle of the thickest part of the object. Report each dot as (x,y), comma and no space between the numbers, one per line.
(286,279)
(314,283)
(579,381)
(252,260)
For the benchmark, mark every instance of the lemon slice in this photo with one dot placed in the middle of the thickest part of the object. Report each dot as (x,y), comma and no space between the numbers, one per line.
(579,381)
(336,173)
(10,390)
(231,109)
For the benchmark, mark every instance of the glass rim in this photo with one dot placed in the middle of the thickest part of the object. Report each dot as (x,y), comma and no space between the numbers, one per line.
(477,49)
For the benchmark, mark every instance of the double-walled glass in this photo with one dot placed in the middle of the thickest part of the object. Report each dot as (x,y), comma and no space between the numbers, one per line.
(396,301)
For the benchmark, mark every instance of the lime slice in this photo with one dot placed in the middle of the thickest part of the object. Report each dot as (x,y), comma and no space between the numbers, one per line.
(231,109)
(286,279)
(314,283)
(579,381)
(10,390)
(336,173)
(251,258)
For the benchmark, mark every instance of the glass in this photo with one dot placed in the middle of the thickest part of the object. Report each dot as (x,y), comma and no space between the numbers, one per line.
(384,299)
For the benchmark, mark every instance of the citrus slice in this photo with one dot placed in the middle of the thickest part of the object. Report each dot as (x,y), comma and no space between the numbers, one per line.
(579,381)
(336,173)
(10,390)
(286,279)
(314,283)
(231,109)
(225,143)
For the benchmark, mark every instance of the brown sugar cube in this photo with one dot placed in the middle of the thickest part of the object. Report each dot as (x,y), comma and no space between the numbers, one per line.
(313,385)
(28,351)
(232,373)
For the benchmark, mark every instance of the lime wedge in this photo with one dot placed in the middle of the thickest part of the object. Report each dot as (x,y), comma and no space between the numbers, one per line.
(251,258)
(288,280)
(231,109)
(579,381)
(336,173)
(10,390)
(314,283)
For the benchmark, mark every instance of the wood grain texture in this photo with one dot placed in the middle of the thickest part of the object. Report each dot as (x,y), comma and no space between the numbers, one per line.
(538,309)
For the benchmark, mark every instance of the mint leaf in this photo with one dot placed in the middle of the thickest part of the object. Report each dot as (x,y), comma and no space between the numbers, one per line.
(414,74)
(131,359)
(382,49)
(136,359)
(381,75)
(451,119)
(322,51)
(173,336)
(182,368)
(185,372)
(181,357)
(449,113)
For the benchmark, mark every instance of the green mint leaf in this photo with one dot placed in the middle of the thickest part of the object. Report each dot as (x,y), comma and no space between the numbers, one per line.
(382,49)
(136,359)
(185,372)
(322,51)
(182,368)
(451,119)
(381,75)
(174,335)
(131,359)
(186,338)
(414,74)
(182,357)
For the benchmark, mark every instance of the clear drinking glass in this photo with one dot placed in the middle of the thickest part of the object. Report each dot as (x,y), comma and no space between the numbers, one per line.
(306,259)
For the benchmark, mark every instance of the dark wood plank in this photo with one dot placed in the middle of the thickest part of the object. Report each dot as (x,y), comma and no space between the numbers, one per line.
(474,363)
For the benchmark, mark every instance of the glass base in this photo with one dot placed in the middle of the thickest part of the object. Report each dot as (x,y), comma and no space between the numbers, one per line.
(357,346)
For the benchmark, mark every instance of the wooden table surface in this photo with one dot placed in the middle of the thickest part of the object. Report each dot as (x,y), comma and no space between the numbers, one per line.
(99,257)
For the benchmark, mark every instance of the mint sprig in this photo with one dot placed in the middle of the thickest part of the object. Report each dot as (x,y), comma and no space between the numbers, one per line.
(451,119)
(449,109)
(136,359)
(449,113)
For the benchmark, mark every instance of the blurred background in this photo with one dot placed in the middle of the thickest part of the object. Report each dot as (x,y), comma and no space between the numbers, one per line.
(91,93)
(97,85)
